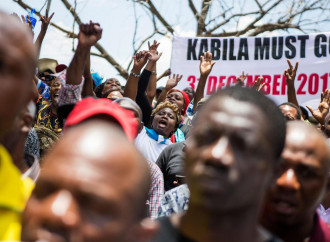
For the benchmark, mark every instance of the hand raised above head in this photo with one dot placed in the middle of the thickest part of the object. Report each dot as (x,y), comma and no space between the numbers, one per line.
(240,80)
(323,109)
(290,73)
(140,59)
(45,20)
(89,34)
(258,85)
(206,64)
(173,82)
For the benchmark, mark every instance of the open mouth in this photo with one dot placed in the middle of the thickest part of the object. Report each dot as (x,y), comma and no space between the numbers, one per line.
(56,97)
(162,123)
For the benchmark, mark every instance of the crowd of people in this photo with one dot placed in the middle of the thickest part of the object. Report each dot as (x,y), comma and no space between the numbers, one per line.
(86,159)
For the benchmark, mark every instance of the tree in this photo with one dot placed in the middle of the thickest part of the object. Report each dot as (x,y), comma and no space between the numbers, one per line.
(221,18)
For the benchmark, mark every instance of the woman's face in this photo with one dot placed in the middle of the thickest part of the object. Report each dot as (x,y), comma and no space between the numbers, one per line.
(176,98)
(164,122)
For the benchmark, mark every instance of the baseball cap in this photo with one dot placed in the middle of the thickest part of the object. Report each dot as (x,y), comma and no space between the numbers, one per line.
(90,107)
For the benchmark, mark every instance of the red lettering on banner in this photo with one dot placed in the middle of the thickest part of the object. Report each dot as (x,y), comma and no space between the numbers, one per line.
(276,84)
(231,79)
(221,82)
(267,79)
(325,81)
(192,79)
(212,83)
(313,80)
(303,78)
(283,89)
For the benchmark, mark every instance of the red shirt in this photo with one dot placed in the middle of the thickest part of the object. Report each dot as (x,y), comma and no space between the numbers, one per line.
(321,231)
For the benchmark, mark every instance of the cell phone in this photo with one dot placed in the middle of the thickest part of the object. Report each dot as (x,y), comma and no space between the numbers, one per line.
(180,179)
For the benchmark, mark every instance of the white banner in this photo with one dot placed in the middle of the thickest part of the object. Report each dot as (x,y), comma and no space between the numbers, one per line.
(257,56)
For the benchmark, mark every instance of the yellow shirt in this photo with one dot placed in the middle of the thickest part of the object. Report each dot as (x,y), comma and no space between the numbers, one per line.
(14,193)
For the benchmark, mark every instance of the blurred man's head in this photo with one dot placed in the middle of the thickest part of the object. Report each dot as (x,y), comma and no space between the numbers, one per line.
(290,111)
(17,67)
(300,179)
(129,104)
(93,187)
(230,156)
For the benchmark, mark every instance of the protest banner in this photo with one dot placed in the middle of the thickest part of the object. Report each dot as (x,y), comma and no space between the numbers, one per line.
(257,56)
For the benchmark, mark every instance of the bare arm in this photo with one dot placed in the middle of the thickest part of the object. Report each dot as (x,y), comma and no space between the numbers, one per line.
(205,68)
(45,20)
(165,74)
(140,59)
(87,89)
(88,36)
(151,88)
(290,76)
(171,83)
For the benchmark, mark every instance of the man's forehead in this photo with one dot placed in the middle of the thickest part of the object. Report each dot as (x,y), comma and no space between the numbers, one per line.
(230,111)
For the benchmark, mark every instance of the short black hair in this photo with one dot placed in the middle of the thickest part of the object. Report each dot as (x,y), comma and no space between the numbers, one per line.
(298,115)
(98,90)
(276,124)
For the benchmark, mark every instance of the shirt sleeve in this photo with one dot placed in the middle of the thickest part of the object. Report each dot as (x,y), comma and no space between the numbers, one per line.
(69,94)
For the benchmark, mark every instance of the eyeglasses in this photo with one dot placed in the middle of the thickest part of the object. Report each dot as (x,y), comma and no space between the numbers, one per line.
(46,78)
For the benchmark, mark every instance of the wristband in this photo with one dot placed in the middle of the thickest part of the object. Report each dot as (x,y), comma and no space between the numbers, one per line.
(135,75)
(154,73)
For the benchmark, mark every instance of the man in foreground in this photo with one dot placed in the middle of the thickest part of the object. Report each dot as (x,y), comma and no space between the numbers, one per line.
(93,187)
(300,182)
(229,161)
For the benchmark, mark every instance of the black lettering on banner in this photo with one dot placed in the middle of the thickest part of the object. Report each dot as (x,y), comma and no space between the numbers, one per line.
(231,49)
(224,49)
(320,49)
(215,49)
(261,48)
(290,46)
(303,39)
(203,47)
(243,50)
(191,51)
(277,46)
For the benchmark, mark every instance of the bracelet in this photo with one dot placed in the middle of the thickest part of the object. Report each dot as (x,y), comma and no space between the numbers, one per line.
(135,75)
(154,73)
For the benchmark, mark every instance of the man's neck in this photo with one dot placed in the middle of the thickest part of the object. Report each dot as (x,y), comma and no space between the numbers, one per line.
(295,233)
(239,225)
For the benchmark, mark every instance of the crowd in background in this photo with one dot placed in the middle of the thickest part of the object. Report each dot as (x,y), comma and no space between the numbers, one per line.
(86,159)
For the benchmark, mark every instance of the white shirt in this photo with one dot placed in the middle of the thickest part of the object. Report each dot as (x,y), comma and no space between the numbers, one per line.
(149,147)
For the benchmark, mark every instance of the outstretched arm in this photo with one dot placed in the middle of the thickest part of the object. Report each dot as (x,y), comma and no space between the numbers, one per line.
(88,36)
(45,20)
(323,108)
(151,88)
(205,68)
(290,76)
(140,59)
(87,89)
(171,83)
(165,74)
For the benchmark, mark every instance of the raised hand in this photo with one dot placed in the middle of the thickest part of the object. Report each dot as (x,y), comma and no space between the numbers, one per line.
(154,57)
(45,20)
(206,64)
(89,34)
(240,80)
(172,82)
(290,73)
(258,85)
(323,108)
(153,47)
(140,59)
(167,72)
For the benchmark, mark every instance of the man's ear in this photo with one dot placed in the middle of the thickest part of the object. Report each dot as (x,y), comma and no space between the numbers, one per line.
(145,230)
(140,127)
